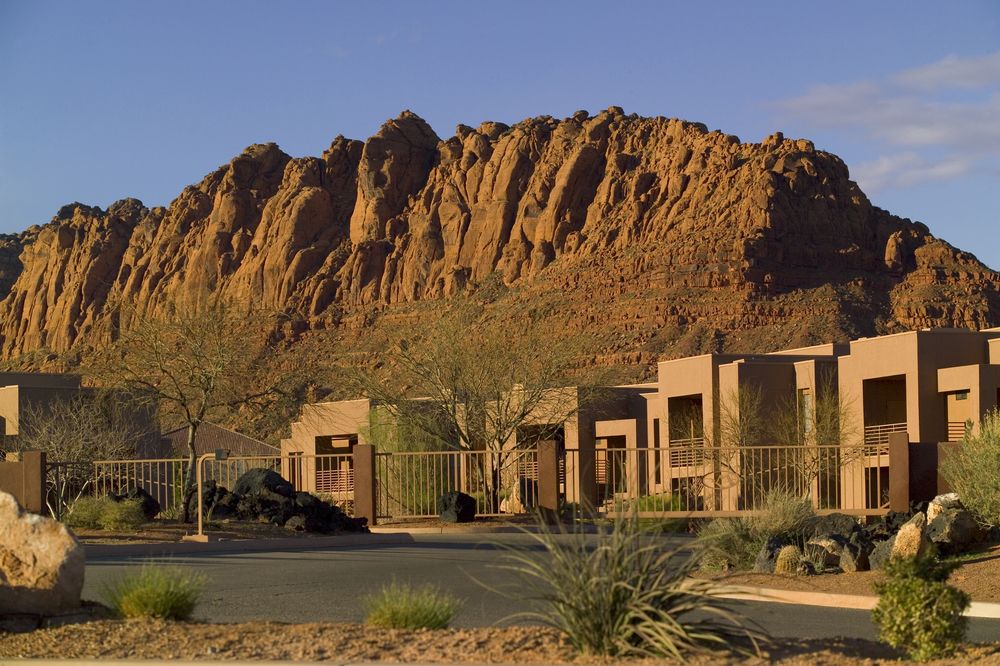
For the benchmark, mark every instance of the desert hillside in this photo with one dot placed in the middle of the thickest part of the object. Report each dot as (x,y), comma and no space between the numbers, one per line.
(654,235)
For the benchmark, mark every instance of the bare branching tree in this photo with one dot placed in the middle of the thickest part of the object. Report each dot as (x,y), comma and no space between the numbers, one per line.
(198,365)
(77,431)
(471,383)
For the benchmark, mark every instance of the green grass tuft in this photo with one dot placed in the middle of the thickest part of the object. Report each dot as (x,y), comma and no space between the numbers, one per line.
(166,593)
(403,606)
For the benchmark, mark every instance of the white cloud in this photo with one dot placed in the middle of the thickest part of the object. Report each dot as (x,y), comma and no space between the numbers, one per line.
(923,135)
(953,72)
(902,170)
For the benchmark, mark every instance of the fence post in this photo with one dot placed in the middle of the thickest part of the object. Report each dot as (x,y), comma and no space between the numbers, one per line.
(365,505)
(24,478)
(548,480)
(899,471)
(586,472)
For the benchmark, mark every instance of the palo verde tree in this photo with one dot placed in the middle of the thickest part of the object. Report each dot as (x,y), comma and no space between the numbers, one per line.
(479,381)
(197,365)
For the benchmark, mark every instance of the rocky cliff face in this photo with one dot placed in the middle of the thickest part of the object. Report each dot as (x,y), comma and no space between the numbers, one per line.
(664,236)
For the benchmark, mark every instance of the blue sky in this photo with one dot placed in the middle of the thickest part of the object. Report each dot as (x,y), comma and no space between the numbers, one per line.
(103,100)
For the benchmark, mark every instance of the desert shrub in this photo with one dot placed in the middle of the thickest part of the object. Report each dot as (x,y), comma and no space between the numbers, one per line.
(728,544)
(105,514)
(403,606)
(917,611)
(86,512)
(167,593)
(784,514)
(124,515)
(973,470)
(733,543)
(626,595)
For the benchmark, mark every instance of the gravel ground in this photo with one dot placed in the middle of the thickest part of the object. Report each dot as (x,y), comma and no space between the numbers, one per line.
(979,575)
(115,639)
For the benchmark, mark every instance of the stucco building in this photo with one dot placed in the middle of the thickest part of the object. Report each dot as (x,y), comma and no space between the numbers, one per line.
(726,416)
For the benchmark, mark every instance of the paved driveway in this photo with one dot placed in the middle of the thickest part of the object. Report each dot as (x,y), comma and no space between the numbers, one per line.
(328,585)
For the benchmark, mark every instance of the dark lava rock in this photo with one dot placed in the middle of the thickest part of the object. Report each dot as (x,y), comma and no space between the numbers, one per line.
(768,554)
(953,530)
(258,481)
(456,507)
(853,558)
(833,524)
(880,555)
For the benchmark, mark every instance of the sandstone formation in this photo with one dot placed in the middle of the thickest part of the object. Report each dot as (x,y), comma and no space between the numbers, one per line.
(41,563)
(656,234)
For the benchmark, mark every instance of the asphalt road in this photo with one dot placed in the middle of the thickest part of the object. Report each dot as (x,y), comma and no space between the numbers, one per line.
(329,585)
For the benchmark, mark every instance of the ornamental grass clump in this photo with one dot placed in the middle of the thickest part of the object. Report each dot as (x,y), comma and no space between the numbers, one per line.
(621,593)
(733,543)
(917,611)
(404,606)
(165,593)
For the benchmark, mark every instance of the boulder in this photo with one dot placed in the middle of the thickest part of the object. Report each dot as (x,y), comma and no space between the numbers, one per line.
(911,540)
(940,503)
(456,507)
(224,507)
(768,554)
(953,531)
(788,560)
(150,505)
(211,494)
(880,554)
(41,563)
(895,519)
(824,551)
(260,481)
(271,508)
(833,524)
(853,559)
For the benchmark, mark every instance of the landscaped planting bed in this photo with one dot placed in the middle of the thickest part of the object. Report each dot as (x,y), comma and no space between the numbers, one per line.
(979,576)
(162,530)
(116,639)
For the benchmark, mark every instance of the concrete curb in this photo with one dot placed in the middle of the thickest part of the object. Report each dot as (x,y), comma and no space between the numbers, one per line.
(167,548)
(980,609)
(202,662)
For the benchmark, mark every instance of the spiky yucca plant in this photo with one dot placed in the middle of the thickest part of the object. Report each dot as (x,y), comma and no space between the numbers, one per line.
(622,593)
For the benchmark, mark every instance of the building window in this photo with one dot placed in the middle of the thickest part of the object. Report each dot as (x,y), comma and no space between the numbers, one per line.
(964,395)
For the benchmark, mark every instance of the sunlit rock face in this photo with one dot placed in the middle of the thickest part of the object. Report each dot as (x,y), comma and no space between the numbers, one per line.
(666,237)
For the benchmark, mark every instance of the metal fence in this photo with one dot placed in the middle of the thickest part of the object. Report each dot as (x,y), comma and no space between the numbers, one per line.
(408,484)
(721,481)
(330,476)
(163,478)
(688,479)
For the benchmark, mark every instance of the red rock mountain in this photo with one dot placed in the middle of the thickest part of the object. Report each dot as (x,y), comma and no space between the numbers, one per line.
(656,234)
